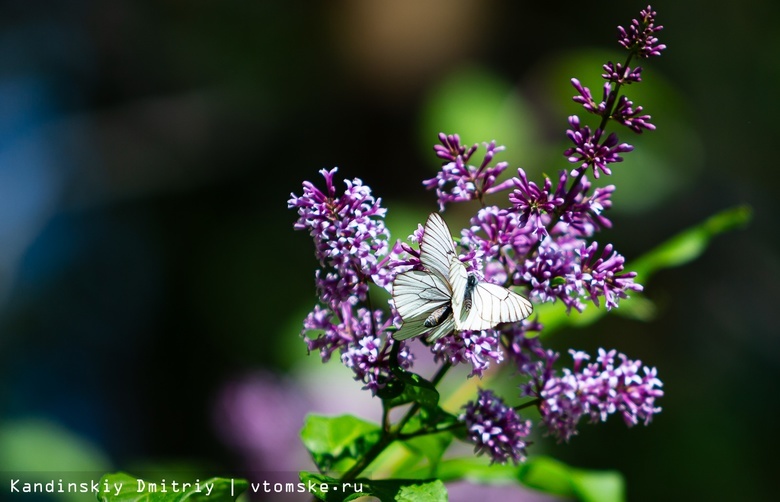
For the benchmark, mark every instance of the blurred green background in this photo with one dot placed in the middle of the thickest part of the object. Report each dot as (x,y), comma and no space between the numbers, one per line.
(147,258)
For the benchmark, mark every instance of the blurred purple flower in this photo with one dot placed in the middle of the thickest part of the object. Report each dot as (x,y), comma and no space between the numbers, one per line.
(496,429)
(260,417)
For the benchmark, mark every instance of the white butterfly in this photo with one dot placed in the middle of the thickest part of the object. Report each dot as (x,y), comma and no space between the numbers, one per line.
(445,296)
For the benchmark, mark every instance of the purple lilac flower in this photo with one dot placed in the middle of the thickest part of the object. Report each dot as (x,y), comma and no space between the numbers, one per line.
(640,37)
(361,339)
(451,148)
(492,234)
(534,203)
(600,275)
(615,72)
(593,390)
(548,273)
(260,416)
(584,215)
(496,429)
(585,98)
(478,348)
(626,114)
(589,152)
(459,181)
(520,346)
(349,236)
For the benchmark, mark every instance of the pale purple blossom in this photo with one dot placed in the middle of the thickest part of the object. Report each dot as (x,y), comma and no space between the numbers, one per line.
(602,275)
(591,390)
(480,349)
(349,236)
(496,237)
(496,429)
(583,212)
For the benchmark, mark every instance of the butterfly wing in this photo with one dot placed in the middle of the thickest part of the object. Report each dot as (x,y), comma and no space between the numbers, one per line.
(458,277)
(492,305)
(436,247)
(418,293)
(416,327)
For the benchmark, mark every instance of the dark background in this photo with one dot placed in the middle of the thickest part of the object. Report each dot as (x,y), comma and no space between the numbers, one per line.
(147,150)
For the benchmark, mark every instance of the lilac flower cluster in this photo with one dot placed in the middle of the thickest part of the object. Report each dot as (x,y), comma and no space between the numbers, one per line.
(350,241)
(496,429)
(458,181)
(640,37)
(348,232)
(541,242)
(478,348)
(594,390)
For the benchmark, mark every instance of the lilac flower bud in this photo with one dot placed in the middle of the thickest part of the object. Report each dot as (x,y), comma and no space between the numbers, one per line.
(615,72)
(368,354)
(640,35)
(583,215)
(458,181)
(450,148)
(550,273)
(630,117)
(496,429)
(589,153)
(585,98)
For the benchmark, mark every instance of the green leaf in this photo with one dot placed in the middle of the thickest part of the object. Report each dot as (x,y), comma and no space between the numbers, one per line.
(476,470)
(541,473)
(332,439)
(554,477)
(38,445)
(123,487)
(678,250)
(399,490)
(689,244)
(415,389)
(433,419)
(547,475)
(598,486)
(430,446)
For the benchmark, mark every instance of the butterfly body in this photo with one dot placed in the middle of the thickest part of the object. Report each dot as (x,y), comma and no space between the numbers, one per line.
(445,296)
